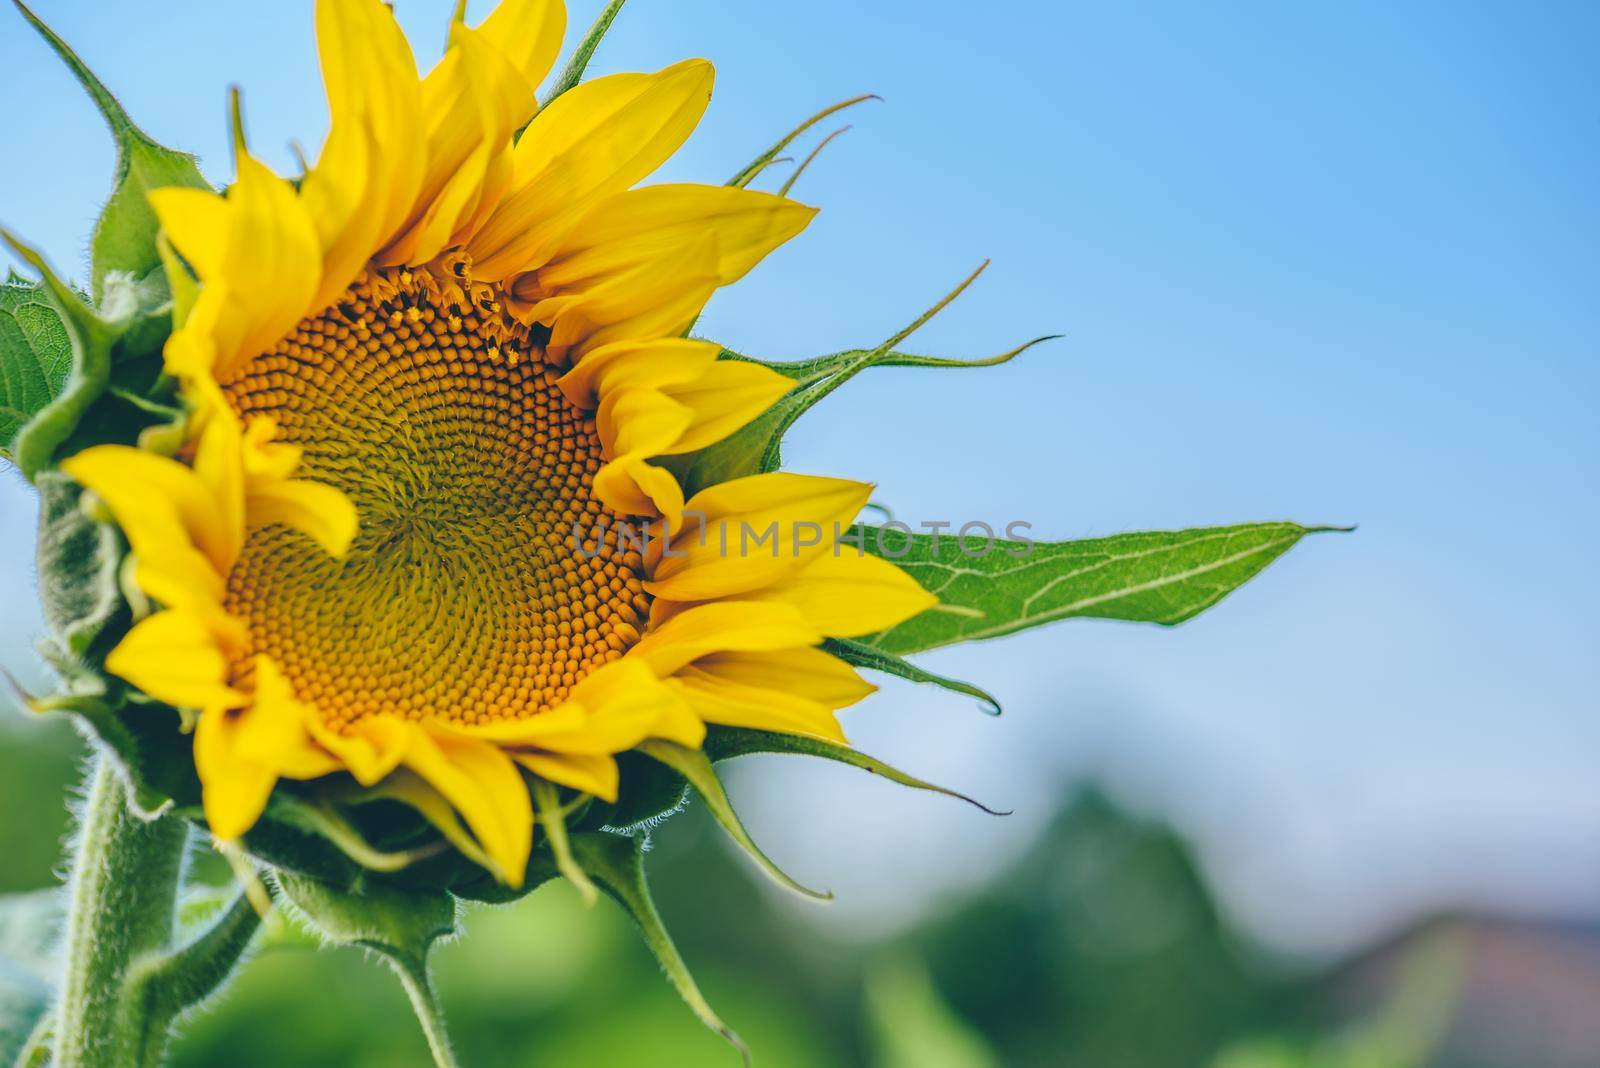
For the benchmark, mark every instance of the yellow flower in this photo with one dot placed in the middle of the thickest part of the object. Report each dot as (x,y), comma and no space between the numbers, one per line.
(422,380)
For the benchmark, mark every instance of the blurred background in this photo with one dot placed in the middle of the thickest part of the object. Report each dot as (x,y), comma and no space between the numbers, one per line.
(1331,263)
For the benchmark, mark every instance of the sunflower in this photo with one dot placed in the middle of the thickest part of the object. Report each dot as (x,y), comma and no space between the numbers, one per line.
(418,531)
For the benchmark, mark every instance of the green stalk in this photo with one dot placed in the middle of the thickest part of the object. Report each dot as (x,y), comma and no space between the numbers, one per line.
(161,988)
(125,876)
(414,977)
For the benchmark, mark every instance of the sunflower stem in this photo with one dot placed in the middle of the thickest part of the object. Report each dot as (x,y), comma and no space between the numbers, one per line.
(161,987)
(124,886)
(413,975)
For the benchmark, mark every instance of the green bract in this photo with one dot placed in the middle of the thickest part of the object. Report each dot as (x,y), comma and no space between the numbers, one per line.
(81,367)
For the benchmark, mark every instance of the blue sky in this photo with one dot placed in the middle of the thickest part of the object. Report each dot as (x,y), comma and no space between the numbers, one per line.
(1333,263)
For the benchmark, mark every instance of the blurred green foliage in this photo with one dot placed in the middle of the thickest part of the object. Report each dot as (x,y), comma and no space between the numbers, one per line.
(1101,948)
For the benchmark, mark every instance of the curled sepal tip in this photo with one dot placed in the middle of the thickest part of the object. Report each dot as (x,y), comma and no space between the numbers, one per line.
(753,169)
(694,766)
(617,864)
(811,158)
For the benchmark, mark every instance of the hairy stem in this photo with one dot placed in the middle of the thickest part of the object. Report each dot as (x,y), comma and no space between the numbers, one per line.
(125,875)
(414,977)
(161,987)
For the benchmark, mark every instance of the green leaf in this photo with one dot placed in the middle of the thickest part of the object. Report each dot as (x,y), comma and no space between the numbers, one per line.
(29,926)
(572,73)
(78,563)
(35,357)
(91,338)
(726,743)
(617,864)
(865,656)
(694,766)
(401,925)
(1161,577)
(125,235)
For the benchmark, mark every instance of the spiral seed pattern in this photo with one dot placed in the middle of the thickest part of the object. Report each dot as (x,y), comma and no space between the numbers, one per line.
(464,597)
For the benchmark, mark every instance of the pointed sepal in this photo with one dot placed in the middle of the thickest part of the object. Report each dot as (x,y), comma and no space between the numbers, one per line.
(862,655)
(572,73)
(617,864)
(696,767)
(757,448)
(125,235)
(726,743)
(752,170)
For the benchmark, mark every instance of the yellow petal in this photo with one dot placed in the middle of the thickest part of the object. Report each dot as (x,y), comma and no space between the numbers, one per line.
(263,457)
(320,511)
(809,673)
(649,364)
(174,657)
(233,790)
(661,221)
(160,504)
(625,689)
(720,627)
(594,774)
(258,255)
(656,298)
(370,748)
(643,422)
(610,710)
(196,224)
(596,139)
(273,731)
(482,783)
(631,487)
(219,465)
(751,532)
(528,33)
(731,704)
(848,594)
(376,104)
(472,102)
(271,496)
(343,195)
(410,789)
(729,395)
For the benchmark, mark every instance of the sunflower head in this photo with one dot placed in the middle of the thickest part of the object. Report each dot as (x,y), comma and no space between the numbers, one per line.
(421,540)
(396,528)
